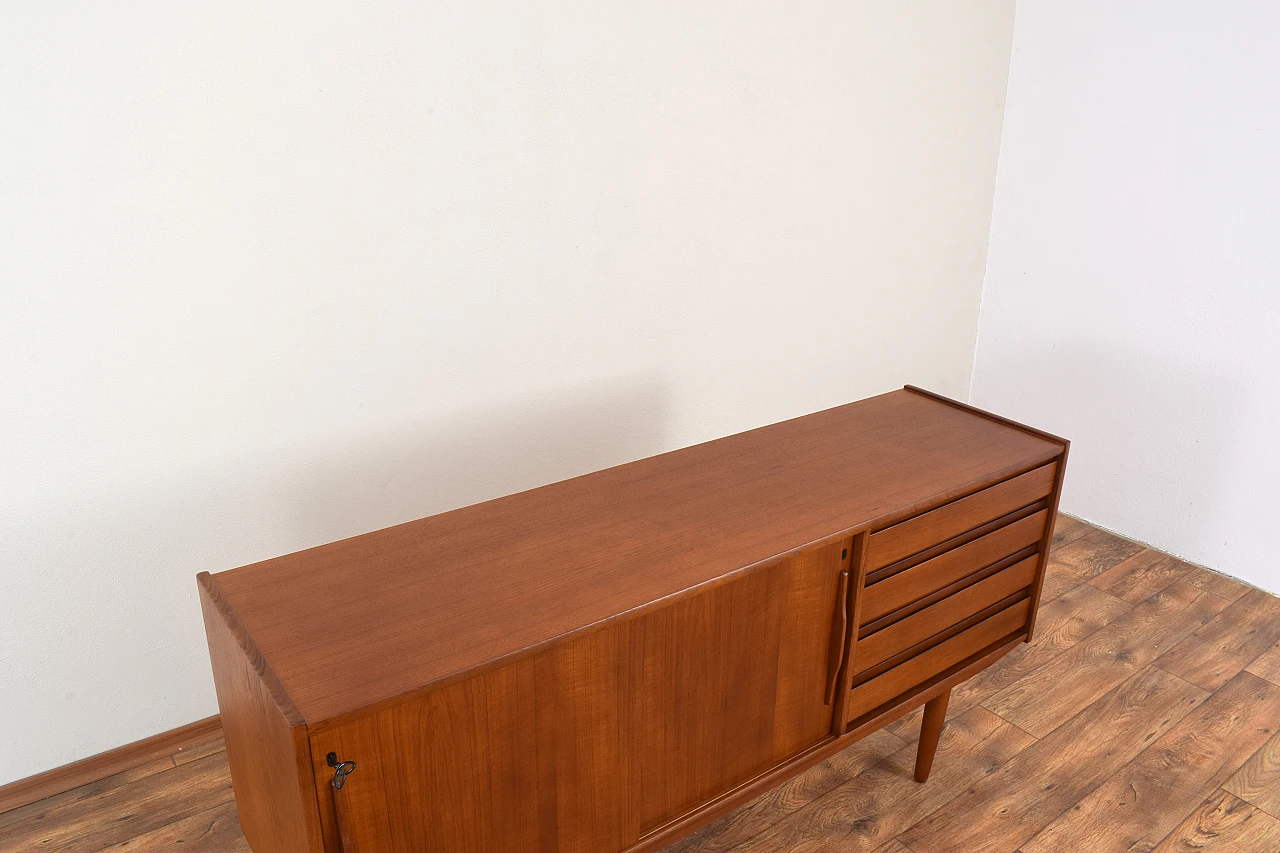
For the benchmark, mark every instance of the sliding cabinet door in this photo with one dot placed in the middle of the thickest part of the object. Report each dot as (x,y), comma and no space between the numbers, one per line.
(729,683)
(593,744)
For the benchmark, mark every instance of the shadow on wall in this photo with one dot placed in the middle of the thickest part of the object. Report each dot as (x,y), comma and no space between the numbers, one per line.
(1154,438)
(421,469)
(106,638)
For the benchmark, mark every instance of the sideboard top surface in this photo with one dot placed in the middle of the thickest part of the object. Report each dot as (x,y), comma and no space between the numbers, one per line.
(353,623)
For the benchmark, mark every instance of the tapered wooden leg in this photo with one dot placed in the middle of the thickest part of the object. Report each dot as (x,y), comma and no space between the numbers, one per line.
(935,711)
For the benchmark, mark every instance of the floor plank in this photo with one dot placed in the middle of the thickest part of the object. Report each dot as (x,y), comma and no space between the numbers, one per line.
(1149,797)
(47,810)
(771,807)
(214,831)
(1267,665)
(1080,675)
(867,812)
(1224,824)
(122,813)
(1084,559)
(1141,576)
(1227,643)
(1009,806)
(199,750)
(1067,530)
(895,847)
(1257,782)
(1062,623)
(1220,585)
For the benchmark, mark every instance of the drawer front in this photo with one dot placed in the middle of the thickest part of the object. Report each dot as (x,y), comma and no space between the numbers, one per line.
(921,626)
(905,587)
(933,664)
(958,517)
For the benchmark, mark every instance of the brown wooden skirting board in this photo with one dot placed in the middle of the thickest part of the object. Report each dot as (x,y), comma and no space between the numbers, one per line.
(104,764)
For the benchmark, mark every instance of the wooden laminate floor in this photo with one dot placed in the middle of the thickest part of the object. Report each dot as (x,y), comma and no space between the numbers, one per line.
(1144,717)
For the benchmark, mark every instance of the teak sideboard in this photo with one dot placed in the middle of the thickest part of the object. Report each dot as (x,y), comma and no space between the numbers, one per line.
(607,663)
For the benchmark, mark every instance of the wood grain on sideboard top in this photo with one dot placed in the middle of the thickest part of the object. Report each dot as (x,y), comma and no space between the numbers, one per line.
(354,623)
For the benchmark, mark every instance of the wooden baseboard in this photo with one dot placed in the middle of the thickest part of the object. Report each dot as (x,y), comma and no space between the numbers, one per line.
(104,764)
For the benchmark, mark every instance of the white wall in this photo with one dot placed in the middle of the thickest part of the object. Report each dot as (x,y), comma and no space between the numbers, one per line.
(272,276)
(1133,286)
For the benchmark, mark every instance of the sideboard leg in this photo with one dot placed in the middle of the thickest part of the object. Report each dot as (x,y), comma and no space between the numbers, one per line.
(935,711)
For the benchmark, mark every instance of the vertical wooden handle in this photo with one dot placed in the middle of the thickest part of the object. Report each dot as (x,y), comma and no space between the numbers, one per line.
(835,656)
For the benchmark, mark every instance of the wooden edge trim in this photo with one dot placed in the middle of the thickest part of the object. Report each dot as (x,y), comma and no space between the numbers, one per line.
(305,762)
(265,735)
(984,413)
(279,695)
(1046,543)
(35,788)
(701,816)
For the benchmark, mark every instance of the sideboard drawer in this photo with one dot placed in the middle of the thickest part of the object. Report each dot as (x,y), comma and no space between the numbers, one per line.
(907,586)
(880,688)
(921,626)
(954,519)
